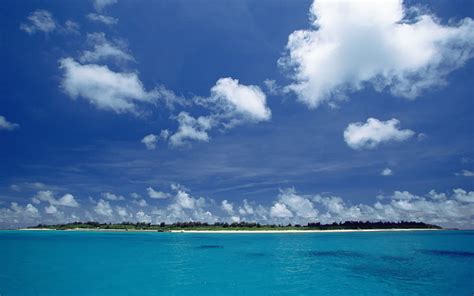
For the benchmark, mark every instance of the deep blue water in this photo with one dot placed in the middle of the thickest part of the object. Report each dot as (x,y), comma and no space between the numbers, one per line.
(383,263)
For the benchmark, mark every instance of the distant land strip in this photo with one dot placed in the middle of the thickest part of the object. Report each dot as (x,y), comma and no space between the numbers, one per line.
(238,226)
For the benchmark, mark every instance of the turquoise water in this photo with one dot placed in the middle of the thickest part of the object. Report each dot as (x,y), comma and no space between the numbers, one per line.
(383,263)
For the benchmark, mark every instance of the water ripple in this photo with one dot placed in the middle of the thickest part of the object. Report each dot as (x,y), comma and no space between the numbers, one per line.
(448,253)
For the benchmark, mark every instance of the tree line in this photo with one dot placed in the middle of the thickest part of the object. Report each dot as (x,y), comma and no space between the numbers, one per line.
(244,225)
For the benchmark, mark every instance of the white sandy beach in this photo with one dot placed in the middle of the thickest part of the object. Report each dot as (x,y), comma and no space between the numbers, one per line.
(296,231)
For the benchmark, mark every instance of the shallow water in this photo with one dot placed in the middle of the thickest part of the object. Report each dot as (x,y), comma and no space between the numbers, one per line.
(359,263)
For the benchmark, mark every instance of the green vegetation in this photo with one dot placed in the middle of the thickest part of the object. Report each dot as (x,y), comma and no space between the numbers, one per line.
(162,227)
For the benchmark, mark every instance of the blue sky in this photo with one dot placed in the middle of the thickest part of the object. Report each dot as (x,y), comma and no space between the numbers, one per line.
(307,111)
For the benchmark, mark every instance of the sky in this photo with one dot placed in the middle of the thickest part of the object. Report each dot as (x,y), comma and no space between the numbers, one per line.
(267,111)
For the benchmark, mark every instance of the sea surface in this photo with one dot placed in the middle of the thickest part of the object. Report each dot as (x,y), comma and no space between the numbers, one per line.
(357,263)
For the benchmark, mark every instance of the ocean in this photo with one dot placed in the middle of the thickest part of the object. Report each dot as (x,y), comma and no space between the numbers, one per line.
(356,263)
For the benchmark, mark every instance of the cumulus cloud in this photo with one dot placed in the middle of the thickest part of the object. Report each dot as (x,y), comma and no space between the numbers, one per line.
(150,141)
(101,18)
(191,128)
(451,209)
(369,135)
(103,208)
(71,27)
(403,195)
(463,195)
(111,196)
(123,213)
(51,209)
(238,101)
(140,202)
(29,210)
(152,193)
(19,215)
(104,88)
(354,44)
(142,217)
(246,208)
(184,200)
(100,5)
(39,21)
(67,200)
(298,205)
(164,134)
(280,210)
(386,172)
(185,207)
(105,49)
(465,173)
(42,21)
(227,207)
(6,125)
(230,104)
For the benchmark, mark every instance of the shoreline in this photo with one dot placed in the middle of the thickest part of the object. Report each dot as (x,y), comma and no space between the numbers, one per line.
(291,231)
(302,231)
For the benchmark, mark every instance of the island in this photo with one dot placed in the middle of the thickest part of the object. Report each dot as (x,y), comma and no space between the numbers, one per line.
(240,226)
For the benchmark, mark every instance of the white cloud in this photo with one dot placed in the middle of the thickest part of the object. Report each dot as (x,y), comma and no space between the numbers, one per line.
(111,196)
(246,208)
(29,210)
(334,205)
(66,200)
(142,217)
(302,207)
(51,209)
(237,100)
(184,200)
(71,27)
(152,193)
(279,210)
(29,186)
(184,207)
(103,208)
(230,104)
(135,195)
(227,207)
(39,21)
(122,212)
(374,132)
(42,21)
(463,195)
(18,215)
(99,5)
(6,125)
(106,89)
(191,128)
(437,196)
(465,173)
(164,134)
(353,44)
(100,18)
(386,172)
(141,202)
(150,141)
(105,50)
(455,209)
(403,195)
(272,87)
